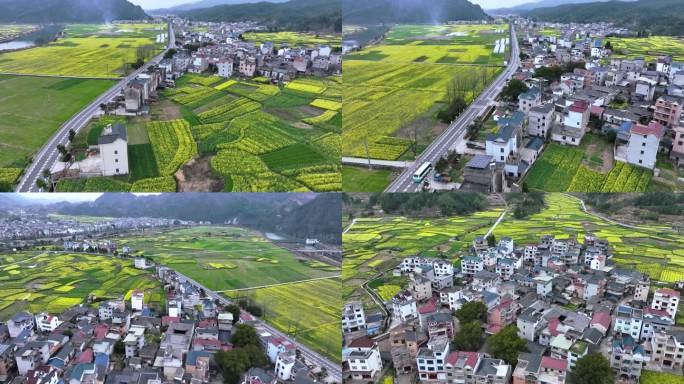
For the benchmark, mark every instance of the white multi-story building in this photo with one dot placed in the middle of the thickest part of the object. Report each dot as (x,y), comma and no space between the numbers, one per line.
(137,300)
(284,365)
(19,322)
(629,321)
(540,120)
(666,299)
(225,67)
(134,340)
(353,317)
(644,141)
(113,144)
(404,306)
(46,322)
(470,265)
(363,358)
(667,350)
(175,308)
(432,358)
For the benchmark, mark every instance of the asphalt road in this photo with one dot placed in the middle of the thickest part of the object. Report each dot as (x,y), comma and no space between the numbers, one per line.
(49,154)
(334,370)
(455,133)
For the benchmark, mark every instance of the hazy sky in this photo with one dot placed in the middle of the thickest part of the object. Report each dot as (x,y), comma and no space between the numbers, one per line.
(155,4)
(490,4)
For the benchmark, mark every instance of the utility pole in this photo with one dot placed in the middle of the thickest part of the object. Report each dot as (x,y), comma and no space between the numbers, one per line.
(365,143)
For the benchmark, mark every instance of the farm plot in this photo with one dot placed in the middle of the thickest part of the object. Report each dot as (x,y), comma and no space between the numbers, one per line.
(373,245)
(650,48)
(100,54)
(380,98)
(560,169)
(54,282)
(33,108)
(655,250)
(172,144)
(310,311)
(254,260)
(294,39)
(259,136)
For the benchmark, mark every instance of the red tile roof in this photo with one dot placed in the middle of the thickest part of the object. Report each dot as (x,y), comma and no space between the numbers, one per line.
(654,128)
(656,312)
(551,363)
(668,292)
(553,325)
(602,318)
(579,106)
(362,342)
(471,358)
(85,357)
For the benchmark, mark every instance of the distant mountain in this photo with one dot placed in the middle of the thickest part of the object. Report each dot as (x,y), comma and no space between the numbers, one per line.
(204,4)
(660,17)
(72,11)
(293,15)
(541,4)
(409,11)
(299,215)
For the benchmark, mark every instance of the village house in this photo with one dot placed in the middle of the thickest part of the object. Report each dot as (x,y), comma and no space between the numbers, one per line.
(642,148)
(113,145)
(362,356)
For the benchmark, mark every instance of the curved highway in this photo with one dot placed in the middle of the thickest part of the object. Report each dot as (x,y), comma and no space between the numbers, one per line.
(455,133)
(49,154)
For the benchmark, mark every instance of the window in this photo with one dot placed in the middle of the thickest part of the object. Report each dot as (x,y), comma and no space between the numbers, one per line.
(116,152)
(117,170)
(116,160)
(642,152)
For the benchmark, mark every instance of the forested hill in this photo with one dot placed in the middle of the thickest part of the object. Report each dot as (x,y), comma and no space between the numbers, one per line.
(299,215)
(72,11)
(409,11)
(659,17)
(294,15)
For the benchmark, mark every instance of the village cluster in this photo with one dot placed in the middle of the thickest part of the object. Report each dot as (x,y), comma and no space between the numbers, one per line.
(566,298)
(124,341)
(23,229)
(222,51)
(638,99)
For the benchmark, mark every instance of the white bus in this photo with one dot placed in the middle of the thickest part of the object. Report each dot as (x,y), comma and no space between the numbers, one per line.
(422,172)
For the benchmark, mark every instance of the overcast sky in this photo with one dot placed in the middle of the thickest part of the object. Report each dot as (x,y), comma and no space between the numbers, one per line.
(490,4)
(156,4)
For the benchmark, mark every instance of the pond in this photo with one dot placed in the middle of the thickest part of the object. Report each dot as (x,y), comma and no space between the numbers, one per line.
(16,44)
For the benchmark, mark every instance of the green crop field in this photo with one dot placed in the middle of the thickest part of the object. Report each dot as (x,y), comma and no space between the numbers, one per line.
(309,311)
(229,258)
(54,282)
(650,48)
(653,377)
(88,51)
(246,259)
(263,137)
(33,108)
(560,168)
(389,85)
(294,39)
(373,245)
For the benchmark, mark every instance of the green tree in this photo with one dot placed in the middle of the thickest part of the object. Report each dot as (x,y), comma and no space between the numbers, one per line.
(232,364)
(513,89)
(472,311)
(491,240)
(244,335)
(507,344)
(441,165)
(591,369)
(256,355)
(469,337)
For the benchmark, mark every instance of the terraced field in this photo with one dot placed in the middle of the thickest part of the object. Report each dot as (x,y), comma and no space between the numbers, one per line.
(373,245)
(294,39)
(377,244)
(262,137)
(650,48)
(561,168)
(388,86)
(54,282)
(310,311)
(88,51)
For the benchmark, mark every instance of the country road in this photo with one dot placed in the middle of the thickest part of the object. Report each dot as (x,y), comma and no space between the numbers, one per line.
(49,154)
(454,135)
(334,370)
